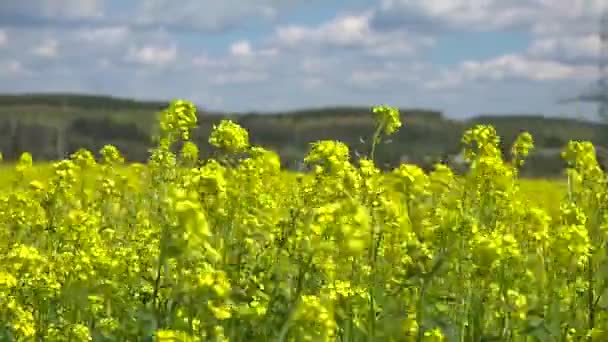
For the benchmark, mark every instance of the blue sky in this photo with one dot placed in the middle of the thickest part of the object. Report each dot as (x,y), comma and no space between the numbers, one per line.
(463,57)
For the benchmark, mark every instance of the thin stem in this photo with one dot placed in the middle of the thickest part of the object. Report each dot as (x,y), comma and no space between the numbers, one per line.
(376,138)
(590,295)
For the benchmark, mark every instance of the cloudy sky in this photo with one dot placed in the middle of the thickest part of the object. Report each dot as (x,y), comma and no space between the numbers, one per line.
(464,57)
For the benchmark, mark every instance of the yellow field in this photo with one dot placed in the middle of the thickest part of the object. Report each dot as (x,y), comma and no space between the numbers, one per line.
(239,250)
(545,192)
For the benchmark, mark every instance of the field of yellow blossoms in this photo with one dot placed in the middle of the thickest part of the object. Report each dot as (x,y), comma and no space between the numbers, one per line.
(236,249)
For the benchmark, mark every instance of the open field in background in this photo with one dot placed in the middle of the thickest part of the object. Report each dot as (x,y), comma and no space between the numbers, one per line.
(546,193)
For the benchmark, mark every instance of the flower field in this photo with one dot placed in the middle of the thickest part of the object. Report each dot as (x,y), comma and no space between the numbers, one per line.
(236,249)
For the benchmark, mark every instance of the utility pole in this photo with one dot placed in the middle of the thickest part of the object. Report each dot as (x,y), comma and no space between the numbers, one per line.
(603,68)
(598,92)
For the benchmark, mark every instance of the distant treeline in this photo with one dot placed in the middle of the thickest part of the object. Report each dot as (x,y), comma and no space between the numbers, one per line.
(79,101)
(54,126)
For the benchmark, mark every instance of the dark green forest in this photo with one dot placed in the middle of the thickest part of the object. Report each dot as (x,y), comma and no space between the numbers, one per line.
(52,126)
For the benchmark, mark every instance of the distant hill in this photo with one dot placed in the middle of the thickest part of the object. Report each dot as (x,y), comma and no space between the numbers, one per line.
(54,125)
(81,101)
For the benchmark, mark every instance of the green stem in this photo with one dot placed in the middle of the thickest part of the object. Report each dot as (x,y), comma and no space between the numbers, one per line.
(372,315)
(376,138)
(590,295)
(299,287)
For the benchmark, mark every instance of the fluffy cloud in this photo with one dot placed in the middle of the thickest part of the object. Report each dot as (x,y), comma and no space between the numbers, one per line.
(511,67)
(153,55)
(241,48)
(11,67)
(343,31)
(57,9)
(39,49)
(243,65)
(239,77)
(204,15)
(3,37)
(186,15)
(352,31)
(540,16)
(110,35)
(564,40)
(576,50)
(480,14)
(48,48)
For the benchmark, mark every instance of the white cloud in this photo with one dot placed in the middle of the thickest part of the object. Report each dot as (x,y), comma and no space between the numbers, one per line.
(49,48)
(153,55)
(538,16)
(93,48)
(241,48)
(344,31)
(205,61)
(14,66)
(110,35)
(73,8)
(351,31)
(566,46)
(315,65)
(239,77)
(3,37)
(11,67)
(482,14)
(243,65)
(205,15)
(509,67)
(312,82)
(188,15)
(370,78)
(568,16)
(66,9)
(241,53)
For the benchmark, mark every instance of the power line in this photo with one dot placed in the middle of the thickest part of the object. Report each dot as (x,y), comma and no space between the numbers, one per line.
(598,91)
(603,67)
